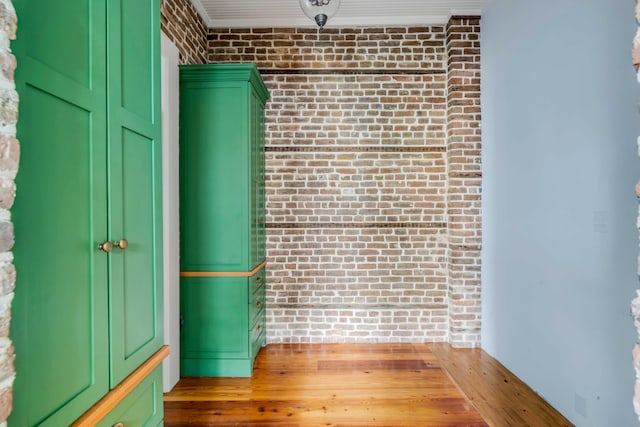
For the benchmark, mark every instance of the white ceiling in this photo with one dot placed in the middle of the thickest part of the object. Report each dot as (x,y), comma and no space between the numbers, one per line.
(287,13)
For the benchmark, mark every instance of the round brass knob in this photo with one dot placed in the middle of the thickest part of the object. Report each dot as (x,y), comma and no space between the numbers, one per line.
(119,425)
(106,246)
(122,244)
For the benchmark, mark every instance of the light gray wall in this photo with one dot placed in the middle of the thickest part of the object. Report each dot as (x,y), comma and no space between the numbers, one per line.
(560,120)
(170,203)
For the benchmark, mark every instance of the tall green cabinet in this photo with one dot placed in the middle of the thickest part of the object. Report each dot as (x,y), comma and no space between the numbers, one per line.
(222,218)
(87,314)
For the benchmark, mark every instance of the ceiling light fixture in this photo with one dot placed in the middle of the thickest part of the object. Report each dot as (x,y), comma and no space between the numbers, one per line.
(320,10)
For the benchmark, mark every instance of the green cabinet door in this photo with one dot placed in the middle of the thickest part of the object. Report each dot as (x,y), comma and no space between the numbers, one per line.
(215,176)
(59,319)
(135,304)
(221,156)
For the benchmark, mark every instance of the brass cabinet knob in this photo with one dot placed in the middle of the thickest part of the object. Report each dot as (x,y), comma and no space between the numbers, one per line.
(106,246)
(119,425)
(122,244)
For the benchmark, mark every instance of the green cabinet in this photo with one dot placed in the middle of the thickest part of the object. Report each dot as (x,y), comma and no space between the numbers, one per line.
(84,319)
(222,218)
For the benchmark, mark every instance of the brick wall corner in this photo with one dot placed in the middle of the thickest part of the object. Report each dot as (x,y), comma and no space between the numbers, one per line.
(181,22)
(464,209)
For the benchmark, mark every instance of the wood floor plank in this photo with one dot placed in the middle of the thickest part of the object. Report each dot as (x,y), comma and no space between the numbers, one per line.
(359,385)
(387,365)
(369,412)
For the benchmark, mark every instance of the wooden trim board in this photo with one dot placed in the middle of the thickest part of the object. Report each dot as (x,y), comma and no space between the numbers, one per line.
(119,392)
(223,273)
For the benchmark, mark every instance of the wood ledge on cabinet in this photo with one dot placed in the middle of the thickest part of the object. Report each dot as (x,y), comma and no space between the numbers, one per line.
(119,392)
(223,273)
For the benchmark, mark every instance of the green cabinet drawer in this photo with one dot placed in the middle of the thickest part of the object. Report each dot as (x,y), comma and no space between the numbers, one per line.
(257,299)
(258,334)
(258,280)
(256,305)
(142,407)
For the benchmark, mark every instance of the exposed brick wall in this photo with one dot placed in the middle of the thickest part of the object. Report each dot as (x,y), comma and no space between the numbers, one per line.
(9,155)
(181,22)
(358,232)
(371,49)
(465,179)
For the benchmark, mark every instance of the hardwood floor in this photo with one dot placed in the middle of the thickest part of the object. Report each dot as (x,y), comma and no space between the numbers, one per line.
(362,385)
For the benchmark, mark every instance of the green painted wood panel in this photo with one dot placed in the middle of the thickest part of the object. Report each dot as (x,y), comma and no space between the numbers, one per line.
(135,191)
(142,407)
(140,35)
(68,29)
(138,266)
(255,178)
(59,319)
(215,313)
(260,188)
(223,324)
(220,155)
(214,177)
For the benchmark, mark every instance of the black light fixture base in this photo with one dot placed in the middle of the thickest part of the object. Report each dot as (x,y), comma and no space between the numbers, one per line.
(321,19)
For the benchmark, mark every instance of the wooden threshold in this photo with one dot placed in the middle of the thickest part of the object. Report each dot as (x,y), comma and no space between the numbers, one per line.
(119,392)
